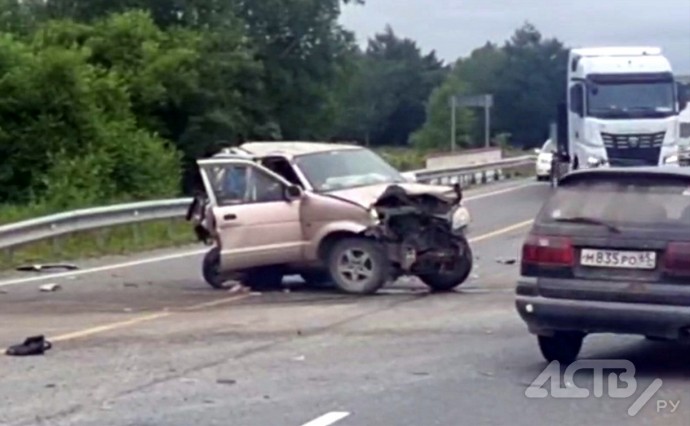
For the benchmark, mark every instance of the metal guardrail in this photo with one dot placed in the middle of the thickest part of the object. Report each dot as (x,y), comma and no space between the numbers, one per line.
(53,226)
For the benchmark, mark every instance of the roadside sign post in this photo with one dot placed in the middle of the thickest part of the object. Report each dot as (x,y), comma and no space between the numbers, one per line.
(485,101)
(488,103)
(453,107)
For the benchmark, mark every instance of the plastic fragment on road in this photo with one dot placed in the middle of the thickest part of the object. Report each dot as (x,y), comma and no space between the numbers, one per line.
(239,288)
(35,345)
(507,261)
(48,288)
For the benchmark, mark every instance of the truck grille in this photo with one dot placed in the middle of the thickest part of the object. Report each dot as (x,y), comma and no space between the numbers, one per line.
(633,149)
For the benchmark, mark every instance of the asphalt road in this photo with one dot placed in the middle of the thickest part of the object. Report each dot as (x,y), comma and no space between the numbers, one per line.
(143,341)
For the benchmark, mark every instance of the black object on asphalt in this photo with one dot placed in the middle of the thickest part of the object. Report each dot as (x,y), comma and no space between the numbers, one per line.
(35,345)
(47,267)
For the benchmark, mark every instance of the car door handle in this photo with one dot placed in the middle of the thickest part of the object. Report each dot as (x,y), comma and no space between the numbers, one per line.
(230,216)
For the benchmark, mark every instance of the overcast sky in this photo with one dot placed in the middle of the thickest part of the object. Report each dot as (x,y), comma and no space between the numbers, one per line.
(455,27)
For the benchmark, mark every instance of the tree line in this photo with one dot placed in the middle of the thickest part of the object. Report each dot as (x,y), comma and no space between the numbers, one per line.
(113,100)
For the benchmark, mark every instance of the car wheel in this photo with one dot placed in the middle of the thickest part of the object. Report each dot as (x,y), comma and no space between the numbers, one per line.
(447,281)
(264,279)
(319,279)
(211,269)
(358,266)
(563,347)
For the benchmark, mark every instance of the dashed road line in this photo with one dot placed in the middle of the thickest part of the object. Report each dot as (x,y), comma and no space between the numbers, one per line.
(328,418)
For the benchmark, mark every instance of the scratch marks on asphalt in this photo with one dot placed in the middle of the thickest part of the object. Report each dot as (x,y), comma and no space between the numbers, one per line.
(141,319)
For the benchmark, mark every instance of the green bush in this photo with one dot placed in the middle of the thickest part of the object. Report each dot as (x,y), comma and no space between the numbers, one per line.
(403,159)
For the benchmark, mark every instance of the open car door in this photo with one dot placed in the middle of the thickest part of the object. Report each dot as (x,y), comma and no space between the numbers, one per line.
(254,212)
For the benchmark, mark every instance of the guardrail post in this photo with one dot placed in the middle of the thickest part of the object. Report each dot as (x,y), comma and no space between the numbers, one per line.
(56,246)
(136,232)
(100,239)
(169,230)
(9,255)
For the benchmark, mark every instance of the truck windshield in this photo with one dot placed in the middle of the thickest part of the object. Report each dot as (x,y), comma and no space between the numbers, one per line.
(625,100)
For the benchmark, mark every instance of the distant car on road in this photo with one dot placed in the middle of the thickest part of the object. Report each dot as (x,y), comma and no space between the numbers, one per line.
(544,159)
(326,212)
(609,252)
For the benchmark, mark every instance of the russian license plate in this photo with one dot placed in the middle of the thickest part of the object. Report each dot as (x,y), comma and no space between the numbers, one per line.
(618,259)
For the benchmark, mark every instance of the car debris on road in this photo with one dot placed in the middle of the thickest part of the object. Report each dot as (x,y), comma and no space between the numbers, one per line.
(35,345)
(49,288)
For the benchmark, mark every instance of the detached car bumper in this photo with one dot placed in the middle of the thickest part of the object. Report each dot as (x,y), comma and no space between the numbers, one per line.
(544,315)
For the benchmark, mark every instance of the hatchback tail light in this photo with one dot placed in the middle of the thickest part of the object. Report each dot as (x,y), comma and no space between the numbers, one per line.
(543,250)
(677,259)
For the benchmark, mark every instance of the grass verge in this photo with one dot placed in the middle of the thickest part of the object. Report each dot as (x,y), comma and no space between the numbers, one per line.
(119,240)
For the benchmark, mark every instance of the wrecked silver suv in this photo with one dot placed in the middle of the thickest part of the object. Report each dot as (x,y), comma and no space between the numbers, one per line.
(330,213)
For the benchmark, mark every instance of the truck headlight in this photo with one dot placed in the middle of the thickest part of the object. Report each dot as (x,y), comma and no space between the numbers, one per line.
(460,218)
(671,159)
(592,161)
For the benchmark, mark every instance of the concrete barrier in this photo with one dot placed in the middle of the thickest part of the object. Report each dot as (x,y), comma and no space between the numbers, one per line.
(464,158)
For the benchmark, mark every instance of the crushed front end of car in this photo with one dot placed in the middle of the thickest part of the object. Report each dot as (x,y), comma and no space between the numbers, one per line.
(424,234)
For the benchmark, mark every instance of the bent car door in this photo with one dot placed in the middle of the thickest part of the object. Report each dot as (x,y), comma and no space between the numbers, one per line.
(256,223)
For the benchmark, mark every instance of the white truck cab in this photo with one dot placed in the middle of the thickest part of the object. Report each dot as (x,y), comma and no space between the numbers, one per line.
(623,107)
(684,119)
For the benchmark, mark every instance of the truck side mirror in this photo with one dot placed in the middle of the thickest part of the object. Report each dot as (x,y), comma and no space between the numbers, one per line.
(683,96)
(577,100)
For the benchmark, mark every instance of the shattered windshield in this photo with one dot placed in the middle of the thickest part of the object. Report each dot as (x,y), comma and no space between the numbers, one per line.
(343,169)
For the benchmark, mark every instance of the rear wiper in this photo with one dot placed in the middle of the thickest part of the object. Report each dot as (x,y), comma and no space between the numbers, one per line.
(588,221)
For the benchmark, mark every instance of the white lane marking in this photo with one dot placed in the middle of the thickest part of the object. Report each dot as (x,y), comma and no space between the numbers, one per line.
(328,418)
(189,253)
(103,268)
(501,191)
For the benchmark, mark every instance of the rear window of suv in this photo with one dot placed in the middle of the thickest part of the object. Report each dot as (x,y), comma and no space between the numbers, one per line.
(622,200)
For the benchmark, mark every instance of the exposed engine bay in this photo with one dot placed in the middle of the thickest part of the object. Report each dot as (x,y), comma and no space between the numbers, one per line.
(418,231)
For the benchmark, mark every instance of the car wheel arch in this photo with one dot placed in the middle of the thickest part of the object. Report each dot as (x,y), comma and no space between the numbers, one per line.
(330,239)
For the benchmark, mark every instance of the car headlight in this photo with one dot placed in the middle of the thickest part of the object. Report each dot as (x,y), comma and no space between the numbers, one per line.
(460,218)
(374,215)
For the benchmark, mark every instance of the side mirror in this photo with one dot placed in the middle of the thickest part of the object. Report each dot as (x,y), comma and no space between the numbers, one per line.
(293,192)
(683,96)
(409,176)
(458,192)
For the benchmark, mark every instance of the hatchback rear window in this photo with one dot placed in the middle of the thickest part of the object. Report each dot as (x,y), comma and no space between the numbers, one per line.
(622,200)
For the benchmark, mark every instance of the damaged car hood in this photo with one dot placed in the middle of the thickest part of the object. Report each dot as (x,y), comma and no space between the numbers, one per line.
(368,196)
